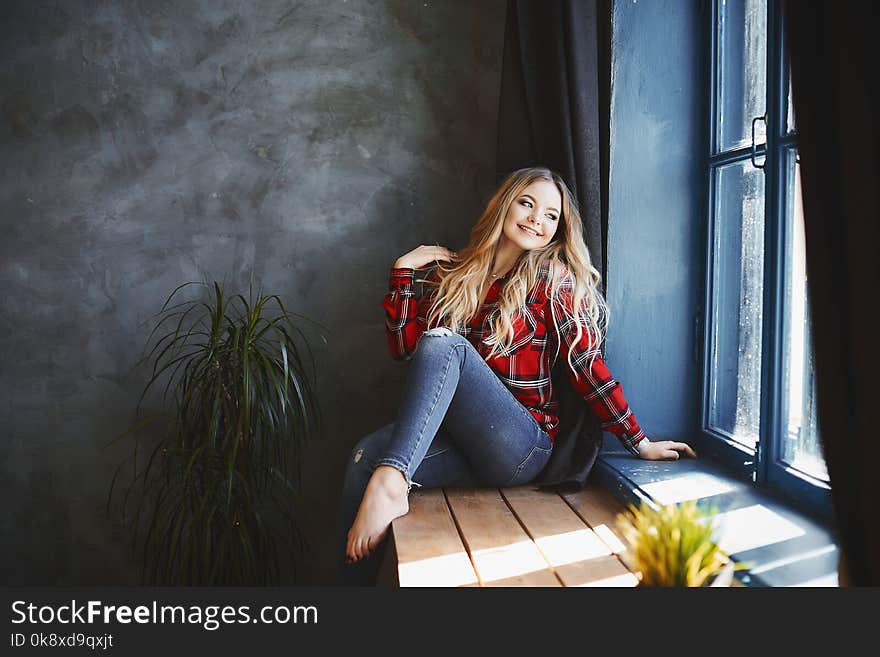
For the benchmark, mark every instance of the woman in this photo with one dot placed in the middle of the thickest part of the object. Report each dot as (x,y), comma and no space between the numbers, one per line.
(478,408)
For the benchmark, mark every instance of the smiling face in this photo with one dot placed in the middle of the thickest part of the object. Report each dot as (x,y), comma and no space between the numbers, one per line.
(533,217)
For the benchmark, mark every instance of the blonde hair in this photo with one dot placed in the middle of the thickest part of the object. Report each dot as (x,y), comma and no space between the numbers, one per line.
(572,283)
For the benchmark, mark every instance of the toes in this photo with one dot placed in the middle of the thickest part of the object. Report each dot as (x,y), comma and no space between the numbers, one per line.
(361,547)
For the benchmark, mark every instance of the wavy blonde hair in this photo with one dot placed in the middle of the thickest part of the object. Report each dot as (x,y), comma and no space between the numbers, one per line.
(572,283)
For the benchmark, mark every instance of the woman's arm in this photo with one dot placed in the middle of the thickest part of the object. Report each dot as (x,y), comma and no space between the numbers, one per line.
(589,375)
(405,314)
(594,382)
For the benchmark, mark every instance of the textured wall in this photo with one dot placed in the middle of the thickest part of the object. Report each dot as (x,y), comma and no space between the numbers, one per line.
(656,211)
(146,144)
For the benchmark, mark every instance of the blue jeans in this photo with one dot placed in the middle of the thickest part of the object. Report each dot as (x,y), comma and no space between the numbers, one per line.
(458,425)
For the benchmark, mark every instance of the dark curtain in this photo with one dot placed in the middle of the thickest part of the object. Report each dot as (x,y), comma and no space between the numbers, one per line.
(554,111)
(833,66)
(554,103)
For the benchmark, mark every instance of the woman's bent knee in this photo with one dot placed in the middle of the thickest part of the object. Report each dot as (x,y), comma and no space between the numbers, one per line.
(440,330)
(439,338)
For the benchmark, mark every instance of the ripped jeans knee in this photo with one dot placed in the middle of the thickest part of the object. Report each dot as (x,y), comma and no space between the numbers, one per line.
(439,330)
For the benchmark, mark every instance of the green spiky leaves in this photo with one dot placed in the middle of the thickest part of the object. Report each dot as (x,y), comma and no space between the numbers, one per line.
(217,501)
(673,545)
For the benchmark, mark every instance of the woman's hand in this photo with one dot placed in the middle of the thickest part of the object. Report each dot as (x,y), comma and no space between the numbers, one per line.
(665,450)
(424,254)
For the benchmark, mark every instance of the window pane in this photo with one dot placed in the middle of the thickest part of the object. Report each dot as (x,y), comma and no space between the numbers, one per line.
(737,283)
(742,71)
(789,121)
(801,445)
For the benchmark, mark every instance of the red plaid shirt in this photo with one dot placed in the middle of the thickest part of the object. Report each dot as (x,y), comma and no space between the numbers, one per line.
(525,367)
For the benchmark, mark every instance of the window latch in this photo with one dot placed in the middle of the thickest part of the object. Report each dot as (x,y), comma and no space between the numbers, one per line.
(755,462)
(754,145)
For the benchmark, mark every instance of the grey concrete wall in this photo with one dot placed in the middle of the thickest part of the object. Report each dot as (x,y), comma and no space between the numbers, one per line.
(146,144)
(656,211)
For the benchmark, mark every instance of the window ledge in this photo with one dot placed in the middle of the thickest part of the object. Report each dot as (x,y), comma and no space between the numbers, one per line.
(782,546)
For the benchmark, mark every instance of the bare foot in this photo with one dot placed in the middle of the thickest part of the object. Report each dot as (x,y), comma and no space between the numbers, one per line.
(385,499)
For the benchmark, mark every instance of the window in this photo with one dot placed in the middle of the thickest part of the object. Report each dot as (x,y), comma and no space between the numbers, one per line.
(758,407)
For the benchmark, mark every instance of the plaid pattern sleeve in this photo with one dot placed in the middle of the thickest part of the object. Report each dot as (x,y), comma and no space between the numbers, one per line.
(590,376)
(405,314)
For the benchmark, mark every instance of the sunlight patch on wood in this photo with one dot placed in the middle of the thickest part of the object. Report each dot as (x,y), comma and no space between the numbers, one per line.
(509,560)
(626,580)
(610,539)
(573,546)
(445,570)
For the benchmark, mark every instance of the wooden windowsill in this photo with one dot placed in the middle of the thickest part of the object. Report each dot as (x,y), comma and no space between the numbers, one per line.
(516,536)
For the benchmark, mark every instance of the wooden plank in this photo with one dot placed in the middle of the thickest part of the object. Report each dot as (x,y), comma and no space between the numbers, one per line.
(429,548)
(502,552)
(600,509)
(387,575)
(570,546)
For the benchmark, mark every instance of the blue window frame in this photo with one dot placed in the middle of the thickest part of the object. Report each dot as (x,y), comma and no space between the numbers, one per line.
(758,411)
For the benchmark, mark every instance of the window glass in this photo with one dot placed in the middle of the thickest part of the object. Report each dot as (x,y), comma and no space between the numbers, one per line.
(738,270)
(742,72)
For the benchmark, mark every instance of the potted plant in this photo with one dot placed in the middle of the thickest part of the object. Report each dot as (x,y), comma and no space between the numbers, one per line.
(674,545)
(216,501)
